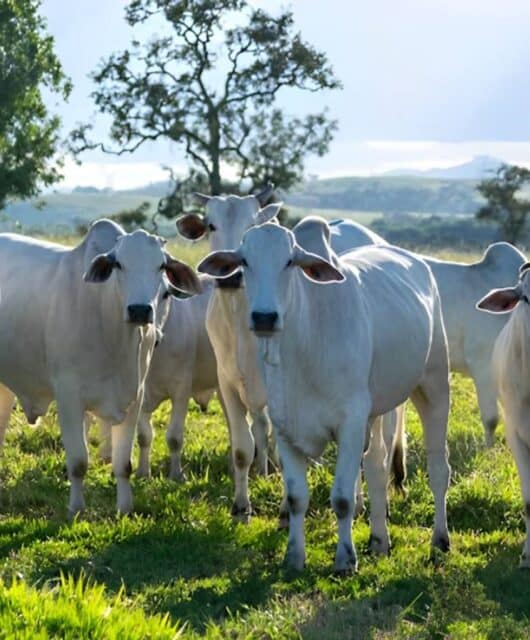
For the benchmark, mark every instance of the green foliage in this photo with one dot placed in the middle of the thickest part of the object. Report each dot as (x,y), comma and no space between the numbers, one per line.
(28,133)
(503,206)
(181,555)
(165,89)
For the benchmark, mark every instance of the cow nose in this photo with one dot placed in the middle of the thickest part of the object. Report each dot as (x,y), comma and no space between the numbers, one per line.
(140,313)
(264,321)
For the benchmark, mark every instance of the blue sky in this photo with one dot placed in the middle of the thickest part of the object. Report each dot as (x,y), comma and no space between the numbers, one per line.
(426,82)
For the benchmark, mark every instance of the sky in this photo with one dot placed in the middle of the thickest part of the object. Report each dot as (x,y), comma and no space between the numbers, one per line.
(427,83)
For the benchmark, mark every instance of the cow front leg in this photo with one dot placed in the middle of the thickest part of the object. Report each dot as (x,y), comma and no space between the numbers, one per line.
(72,425)
(105,441)
(122,443)
(144,438)
(294,472)
(7,400)
(175,436)
(376,472)
(260,431)
(350,440)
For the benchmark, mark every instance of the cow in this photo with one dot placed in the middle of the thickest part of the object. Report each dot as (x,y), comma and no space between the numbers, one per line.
(470,333)
(510,366)
(183,366)
(79,326)
(340,344)
(227,219)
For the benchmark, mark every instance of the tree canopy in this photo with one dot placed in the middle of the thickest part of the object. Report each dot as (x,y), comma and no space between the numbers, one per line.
(210,84)
(503,204)
(28,132)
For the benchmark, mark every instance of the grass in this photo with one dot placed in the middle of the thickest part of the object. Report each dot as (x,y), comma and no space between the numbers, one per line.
(181,566)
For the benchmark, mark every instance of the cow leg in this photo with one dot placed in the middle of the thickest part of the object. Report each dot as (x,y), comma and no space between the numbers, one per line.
(521,453)
(350,440)
(105,441)
(122,443)
(72,424)
(242,444)
(359,498)
(260,431)
(294,471)
(144,438)
(175,436)
(487,400)
(376,472)
(7,399)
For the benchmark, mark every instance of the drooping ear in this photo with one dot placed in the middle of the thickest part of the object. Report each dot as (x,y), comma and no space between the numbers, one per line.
(268,213)
(191,226)
(316,268)
(181,277)
(201,198)
(100,268)
(221,264)
(500,300)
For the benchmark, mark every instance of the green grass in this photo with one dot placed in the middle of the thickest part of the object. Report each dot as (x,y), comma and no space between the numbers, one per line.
(181,568)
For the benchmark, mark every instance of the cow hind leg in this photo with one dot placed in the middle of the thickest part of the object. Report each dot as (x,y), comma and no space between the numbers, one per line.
(431,399)
(175,437)
(7,400)
(144,438)
(487,401)
(73,435)
(376,472)
(105,441)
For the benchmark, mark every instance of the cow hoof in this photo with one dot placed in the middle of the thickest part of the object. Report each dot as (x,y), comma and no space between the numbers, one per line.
(294,560)
(345,560)
(241,514)
(378,546)
(441,542)
(524,561)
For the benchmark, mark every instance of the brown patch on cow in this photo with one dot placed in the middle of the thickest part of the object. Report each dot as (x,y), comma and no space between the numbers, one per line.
(143,440)
(341,506)
(173,444)
(79,469)
(240,459)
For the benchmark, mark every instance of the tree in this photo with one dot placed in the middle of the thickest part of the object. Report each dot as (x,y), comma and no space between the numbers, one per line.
(28,133)
(503,206)
(211,86)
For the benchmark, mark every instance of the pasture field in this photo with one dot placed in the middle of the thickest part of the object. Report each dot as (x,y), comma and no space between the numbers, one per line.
(180,567)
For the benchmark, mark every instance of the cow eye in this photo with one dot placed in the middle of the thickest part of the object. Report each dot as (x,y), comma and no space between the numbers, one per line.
(117,265)
(244,263)
(289,263)
(211,227)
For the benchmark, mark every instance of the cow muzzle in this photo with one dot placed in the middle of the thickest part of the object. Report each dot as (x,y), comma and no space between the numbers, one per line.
(140,313)
(264,323)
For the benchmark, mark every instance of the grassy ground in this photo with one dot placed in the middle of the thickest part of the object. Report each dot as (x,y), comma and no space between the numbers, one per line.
(181,565)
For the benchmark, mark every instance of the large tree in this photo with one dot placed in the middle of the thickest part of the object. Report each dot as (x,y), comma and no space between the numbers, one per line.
(28,133)
(211,85)
(504,206)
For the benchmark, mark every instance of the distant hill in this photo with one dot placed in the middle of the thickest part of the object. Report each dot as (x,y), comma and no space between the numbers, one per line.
(478,168)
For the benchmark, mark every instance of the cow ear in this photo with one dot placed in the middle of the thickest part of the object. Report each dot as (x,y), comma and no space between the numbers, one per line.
(181,277)
(191,226)
(268,213)
(101,268)
(201,198)
(221,264)
(500,300)
(316,268)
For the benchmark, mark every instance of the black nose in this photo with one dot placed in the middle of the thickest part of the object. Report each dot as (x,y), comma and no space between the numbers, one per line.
(264,320)
(140,313)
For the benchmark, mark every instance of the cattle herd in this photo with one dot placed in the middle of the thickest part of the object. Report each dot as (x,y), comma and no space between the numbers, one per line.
(322,332)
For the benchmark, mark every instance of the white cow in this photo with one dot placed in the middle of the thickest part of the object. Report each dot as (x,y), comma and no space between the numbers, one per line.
(511,371)
(471,334)
(335,357)
(79,326)
(226,221)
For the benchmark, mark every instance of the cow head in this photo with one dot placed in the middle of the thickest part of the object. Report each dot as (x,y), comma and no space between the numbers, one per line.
(226,220)
(506,299)
(144,274)
(269,257)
